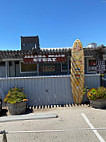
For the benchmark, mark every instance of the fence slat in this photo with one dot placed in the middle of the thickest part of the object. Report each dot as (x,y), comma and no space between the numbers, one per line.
(48,90)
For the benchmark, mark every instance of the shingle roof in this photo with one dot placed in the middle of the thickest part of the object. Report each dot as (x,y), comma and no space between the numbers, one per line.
(10,54)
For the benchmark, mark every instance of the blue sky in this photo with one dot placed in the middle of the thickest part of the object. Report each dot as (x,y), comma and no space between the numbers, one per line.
(58,23)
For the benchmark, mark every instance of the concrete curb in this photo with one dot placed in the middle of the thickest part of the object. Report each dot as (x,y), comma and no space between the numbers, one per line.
(27,117)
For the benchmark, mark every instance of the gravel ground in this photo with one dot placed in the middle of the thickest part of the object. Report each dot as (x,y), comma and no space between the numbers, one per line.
(69,118)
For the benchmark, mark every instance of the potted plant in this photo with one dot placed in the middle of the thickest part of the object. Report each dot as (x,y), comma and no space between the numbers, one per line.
(16,101)
(97,97)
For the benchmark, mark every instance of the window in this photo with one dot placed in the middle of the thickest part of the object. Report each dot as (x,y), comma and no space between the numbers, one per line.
(10,63)
(23,44)
(16,62)
(28,68)
(48,68)
(64,67)
(2,63)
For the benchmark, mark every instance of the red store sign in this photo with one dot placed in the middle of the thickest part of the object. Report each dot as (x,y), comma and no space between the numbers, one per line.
(44,58)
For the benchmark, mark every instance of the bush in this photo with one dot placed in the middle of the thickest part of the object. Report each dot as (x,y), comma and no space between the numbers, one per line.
(101,92)
(95,94)
(85,91)
(15,95)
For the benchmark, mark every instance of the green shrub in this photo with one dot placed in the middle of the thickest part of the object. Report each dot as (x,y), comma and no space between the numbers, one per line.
(15,95)
(101,92)
(85,91)
(95,94)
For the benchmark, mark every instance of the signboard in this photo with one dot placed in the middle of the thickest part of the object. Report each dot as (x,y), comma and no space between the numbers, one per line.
(44,58)
(48,68)
(101,66)
(77,71)
(92,65)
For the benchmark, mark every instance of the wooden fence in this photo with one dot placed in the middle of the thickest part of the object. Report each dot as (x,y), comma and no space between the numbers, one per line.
(46,90)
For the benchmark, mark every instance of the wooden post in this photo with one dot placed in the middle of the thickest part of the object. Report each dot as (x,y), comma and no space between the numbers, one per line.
(38,69)
(13,73)
(7,68)
(4,136)
(68,65)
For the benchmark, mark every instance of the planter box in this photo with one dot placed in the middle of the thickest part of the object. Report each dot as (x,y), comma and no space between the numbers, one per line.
(0,105)
(98,103)
(18,108)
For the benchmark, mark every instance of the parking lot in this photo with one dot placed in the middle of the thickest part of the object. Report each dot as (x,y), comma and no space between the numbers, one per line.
(74,123)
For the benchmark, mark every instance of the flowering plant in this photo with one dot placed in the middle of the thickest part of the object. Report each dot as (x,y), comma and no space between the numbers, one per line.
(85,90)
(95,94)
(15,95)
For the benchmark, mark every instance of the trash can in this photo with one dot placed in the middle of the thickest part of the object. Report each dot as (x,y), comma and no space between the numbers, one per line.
(0,105)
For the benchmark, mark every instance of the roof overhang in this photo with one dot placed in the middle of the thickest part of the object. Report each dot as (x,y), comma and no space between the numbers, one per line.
(13,59)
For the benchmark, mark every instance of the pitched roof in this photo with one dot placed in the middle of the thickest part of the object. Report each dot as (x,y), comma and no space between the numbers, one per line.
(12,54)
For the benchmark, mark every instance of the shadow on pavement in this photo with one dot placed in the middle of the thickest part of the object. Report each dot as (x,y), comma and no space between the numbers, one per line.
(3,112)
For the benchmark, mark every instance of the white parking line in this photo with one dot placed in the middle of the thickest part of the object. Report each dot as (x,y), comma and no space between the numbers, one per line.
(92,127)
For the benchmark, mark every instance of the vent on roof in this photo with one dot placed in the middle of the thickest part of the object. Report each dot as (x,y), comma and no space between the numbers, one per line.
(92,45)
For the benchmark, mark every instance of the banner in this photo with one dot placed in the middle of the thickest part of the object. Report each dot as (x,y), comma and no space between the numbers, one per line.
(44,58)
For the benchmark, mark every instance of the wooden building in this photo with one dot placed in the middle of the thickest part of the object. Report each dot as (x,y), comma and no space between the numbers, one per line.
(32,60)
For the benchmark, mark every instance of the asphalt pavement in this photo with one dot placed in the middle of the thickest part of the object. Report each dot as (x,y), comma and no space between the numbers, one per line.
(74,124)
